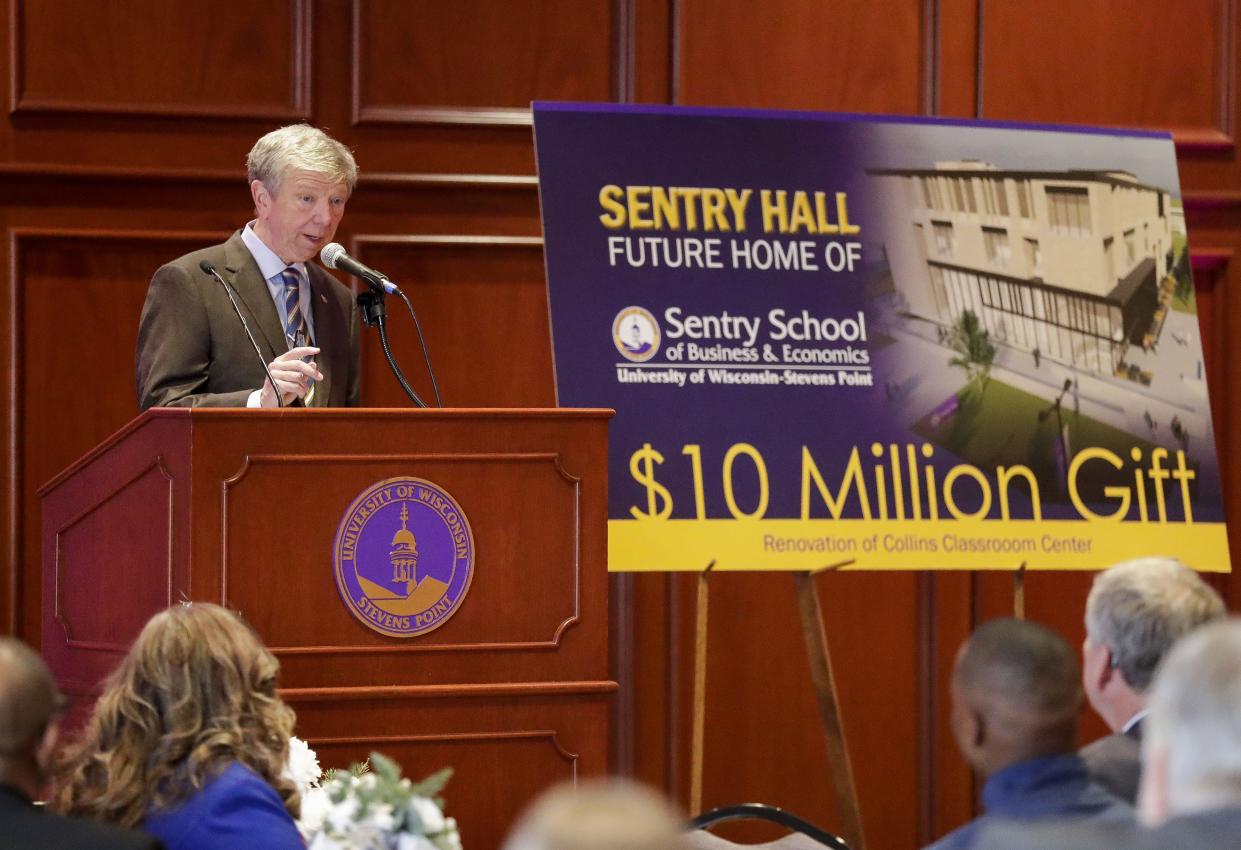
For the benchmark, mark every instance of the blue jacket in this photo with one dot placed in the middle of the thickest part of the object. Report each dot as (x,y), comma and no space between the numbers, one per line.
(1051,788)
(237,810)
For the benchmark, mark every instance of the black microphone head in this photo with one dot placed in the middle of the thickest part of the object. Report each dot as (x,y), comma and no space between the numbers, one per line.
(331,252)
(206,266)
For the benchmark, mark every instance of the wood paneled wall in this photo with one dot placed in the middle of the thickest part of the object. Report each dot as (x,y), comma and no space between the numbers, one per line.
(126,130)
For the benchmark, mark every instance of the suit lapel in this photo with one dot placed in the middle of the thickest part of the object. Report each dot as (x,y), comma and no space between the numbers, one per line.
(330,336)
(243,273)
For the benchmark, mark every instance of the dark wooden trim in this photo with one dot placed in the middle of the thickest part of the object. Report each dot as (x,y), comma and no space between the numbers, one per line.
(12,514)
(297,107)
(1210,260)
(1216,137)
(674,47)
(928,646)
(623,50)
(496,689)
(449,241)
(1211,199)
(621,639)
(378,179)
(929,63)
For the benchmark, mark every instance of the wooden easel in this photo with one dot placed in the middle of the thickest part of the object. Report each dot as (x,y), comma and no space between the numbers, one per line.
(1019,592)
(824,683)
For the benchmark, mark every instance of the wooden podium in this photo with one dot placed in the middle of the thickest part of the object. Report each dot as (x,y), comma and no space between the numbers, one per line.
(241,507)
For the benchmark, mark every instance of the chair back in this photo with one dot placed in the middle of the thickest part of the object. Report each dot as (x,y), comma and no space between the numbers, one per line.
(802,834)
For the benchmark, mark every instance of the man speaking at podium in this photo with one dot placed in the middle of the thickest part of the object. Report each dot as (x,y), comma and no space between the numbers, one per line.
(195,348)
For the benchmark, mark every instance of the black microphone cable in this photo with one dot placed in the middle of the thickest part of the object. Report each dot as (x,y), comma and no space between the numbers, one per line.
(206,267)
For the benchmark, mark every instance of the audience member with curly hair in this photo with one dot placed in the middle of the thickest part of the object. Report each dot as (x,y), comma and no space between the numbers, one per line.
(189,739)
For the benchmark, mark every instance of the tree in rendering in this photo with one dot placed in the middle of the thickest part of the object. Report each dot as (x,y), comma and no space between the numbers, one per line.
(974,350)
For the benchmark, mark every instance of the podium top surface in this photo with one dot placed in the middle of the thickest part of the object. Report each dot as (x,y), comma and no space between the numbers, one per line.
(189,416)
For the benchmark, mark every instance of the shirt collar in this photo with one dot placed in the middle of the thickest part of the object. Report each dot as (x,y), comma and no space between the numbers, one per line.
(1135,720)
(270,264)
(1008,787)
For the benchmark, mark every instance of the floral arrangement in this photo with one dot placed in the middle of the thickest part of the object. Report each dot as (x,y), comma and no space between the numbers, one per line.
(370,806)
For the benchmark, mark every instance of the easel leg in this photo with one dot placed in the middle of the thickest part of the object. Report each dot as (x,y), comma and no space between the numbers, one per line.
(700,693)
(1019,592)
(829,709)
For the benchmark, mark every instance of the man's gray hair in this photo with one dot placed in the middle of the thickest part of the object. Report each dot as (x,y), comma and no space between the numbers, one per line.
(1138,609)
(1195,718)
(301,147)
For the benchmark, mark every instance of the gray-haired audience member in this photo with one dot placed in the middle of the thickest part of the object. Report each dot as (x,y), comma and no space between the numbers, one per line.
(1191,754)
(1191,782)
(1135,612)
(610,814)
(1016,692)
(29,707)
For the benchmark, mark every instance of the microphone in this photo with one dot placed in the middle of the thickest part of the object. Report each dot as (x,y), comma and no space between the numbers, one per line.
(334,257)
(207,268)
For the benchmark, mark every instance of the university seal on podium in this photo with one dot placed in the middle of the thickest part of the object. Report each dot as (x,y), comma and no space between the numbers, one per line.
(403,557)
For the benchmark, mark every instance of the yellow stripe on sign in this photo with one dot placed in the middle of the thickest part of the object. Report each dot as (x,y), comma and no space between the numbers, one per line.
(791,544)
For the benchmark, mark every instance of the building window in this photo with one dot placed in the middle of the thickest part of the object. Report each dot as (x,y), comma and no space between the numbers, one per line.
(1068,210)
(995,239)
(945,239)
(995,198)
(1025,201)
(1131,247)
(1034,257)
(967,188)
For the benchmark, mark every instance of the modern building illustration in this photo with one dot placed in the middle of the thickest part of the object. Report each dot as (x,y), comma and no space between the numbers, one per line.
(1070,264)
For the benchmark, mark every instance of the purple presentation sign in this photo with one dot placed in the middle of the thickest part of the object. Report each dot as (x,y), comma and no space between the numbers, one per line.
(891,343)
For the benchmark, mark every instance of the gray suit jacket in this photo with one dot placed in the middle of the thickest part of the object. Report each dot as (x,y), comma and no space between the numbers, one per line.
(1115,762)
(1210,830)
(193,351)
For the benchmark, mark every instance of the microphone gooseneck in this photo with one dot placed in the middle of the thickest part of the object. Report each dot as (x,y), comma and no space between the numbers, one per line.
(334,256)
(208,268)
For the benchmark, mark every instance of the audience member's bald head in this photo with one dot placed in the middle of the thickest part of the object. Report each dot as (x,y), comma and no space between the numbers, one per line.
(29,702)
(1016,692)
(599,815)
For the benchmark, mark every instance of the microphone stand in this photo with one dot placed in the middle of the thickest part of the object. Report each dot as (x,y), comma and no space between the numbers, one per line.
(375,314)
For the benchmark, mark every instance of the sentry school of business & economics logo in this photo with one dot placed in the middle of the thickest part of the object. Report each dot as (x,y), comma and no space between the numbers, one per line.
(636,334)
(403,557)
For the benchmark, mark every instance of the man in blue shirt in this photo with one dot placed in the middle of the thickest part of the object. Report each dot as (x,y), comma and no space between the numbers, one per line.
(1016,693)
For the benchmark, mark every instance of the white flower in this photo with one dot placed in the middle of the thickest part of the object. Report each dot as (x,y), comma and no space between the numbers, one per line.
(323,842)
(364,836)
(405,841)
(302,768)
(449,839)
(342,814)
(334,816)
(427,813)
(380,816)
(315,806)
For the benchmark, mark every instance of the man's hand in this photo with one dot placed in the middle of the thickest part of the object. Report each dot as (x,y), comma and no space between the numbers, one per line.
(291,374)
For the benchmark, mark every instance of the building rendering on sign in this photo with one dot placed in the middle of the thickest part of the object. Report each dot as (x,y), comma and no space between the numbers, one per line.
(1070,264)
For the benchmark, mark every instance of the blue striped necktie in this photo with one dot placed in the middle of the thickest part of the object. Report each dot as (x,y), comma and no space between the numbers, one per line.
(295,329)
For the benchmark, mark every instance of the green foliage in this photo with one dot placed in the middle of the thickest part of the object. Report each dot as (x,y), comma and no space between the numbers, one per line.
(433,784)
(975,353)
